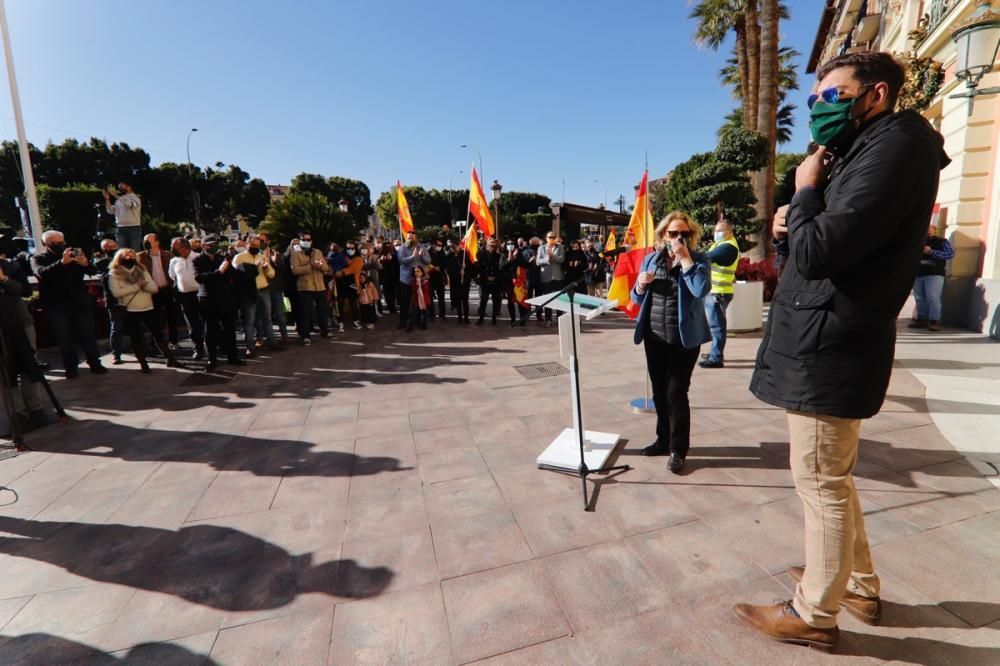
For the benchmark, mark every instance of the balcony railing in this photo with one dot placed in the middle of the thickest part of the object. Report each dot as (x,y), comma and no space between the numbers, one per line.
(937,11)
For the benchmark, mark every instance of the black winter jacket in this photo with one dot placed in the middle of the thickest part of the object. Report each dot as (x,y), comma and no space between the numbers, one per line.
(853,253)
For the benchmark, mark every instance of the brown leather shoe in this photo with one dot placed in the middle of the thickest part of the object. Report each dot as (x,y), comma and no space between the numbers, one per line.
(780,623)
(866,609)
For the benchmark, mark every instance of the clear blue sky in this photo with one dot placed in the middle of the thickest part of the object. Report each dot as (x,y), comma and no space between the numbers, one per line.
(384,90)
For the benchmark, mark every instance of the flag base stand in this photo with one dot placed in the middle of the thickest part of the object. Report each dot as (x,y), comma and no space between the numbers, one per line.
(643,406)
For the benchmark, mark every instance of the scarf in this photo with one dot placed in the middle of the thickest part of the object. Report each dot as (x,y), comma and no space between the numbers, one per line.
(421,304)
(134,275)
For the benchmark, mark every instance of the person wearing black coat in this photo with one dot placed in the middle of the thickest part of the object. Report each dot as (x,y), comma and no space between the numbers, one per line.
(388,275)
(856,226)
(438,277)
(490,280)
(63,296)
(217,294)
(512,259)
(460,273)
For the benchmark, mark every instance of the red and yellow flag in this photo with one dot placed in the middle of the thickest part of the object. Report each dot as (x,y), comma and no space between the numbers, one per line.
(611,244)
(478,207)
(405,221)
(471,243)
(640,232)
(521,287)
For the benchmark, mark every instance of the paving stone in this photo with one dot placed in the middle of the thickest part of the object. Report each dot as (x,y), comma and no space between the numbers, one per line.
(293,639)
(478,542)
(501,610)
(408,627)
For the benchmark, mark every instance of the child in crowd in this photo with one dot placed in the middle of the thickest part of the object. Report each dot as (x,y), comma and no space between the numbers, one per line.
(367,297)
(420,301)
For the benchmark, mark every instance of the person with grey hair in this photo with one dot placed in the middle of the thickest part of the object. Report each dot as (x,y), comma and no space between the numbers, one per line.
(64,298)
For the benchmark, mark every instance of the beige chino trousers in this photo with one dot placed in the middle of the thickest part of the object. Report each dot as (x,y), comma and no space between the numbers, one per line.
(823,452)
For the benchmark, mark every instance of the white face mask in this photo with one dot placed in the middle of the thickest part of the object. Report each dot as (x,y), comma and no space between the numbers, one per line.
(720,236)
(305,245)
(364,252)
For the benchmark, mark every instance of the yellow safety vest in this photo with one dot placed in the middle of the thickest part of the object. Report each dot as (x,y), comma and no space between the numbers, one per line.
(724,276)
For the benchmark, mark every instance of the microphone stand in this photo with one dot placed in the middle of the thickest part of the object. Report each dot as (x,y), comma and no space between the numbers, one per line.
(583,471)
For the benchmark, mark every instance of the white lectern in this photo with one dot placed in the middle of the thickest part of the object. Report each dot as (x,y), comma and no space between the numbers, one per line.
(576,450)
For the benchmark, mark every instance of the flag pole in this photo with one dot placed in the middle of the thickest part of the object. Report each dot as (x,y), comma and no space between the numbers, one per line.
(34,216)
(644,405)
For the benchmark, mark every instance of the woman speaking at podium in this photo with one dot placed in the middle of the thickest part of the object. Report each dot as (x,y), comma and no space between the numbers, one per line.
(672,326)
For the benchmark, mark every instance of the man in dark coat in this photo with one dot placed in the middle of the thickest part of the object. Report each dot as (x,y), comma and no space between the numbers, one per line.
(63,296)
(490,285)
(856,226)
(217,290)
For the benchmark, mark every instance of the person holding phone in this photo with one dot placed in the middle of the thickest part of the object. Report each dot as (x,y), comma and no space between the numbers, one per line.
(670,290)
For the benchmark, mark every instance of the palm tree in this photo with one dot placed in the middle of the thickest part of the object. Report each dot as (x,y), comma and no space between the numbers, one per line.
(733,123)
(767,112)
(715,19)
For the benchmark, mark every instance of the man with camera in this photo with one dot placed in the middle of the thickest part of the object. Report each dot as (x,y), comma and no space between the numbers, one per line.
(64,298)
(127,209)
(827,353)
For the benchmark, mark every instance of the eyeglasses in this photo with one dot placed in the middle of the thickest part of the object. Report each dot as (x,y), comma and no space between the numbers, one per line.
(679,234)
(832,95)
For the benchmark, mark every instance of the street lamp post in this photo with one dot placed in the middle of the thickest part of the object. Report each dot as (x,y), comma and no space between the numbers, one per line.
(497,189)
(977,42)
(482,176)
(195,198)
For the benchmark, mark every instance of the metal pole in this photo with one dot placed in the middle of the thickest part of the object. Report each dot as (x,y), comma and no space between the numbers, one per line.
(34,214)
(195,198)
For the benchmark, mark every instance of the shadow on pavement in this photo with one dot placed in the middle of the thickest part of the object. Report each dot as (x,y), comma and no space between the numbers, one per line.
(41,648)
(922,651)
(262,457)
(209,565)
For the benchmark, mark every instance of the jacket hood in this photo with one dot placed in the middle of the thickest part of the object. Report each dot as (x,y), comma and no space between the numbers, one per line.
(914,122)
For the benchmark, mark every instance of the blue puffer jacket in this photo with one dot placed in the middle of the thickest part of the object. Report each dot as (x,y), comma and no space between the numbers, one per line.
(694,285)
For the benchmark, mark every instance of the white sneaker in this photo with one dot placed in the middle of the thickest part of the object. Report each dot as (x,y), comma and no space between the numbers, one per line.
(357,324)
(340,327)
(307,342)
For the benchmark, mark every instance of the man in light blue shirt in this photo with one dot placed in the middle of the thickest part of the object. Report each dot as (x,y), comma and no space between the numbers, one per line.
(410,255)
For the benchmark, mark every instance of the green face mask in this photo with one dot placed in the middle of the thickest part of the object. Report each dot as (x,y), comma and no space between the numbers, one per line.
(831,124)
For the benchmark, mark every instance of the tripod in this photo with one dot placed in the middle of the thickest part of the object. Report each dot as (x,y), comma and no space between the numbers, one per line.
(583,470)
(6,384)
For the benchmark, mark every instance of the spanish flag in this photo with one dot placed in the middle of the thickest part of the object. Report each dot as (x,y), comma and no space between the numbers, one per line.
(478,207)
(640,228)
(611,244)
(471,243)
(405,221)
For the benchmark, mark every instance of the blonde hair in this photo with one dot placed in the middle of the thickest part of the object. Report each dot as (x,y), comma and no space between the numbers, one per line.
(120,254)
(661,229)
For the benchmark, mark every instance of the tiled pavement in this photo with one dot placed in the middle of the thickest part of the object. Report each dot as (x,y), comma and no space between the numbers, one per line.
(375,500)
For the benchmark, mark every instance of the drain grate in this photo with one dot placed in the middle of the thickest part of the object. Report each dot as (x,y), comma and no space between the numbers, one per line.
(207,378)
(541,370)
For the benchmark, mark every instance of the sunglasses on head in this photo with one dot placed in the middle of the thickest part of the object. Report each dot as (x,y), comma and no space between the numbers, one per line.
(832,95)
(679,234)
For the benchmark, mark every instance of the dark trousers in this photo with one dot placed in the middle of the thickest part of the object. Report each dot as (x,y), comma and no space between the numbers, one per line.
(307,300)
(165,303)
(220,329)
(670,368)
(150,319)
(513,307)
(389,291)
(535,289)
(73,326)
(404,293)
(550,287)
(116,329)
(437,294)
(460,299)
(278,310)
(487,293)
(192,314)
